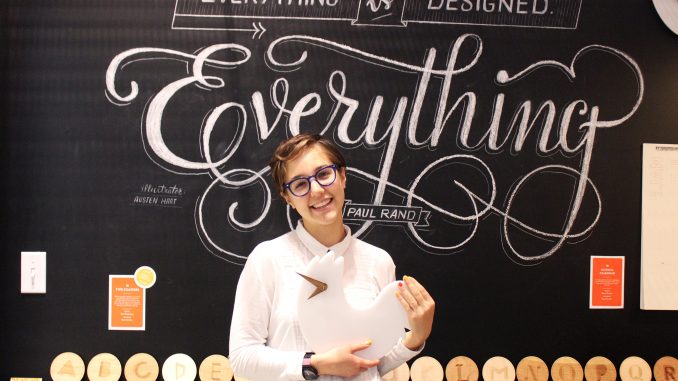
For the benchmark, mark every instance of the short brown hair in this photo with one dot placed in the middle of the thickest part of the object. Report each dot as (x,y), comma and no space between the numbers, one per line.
(291,148)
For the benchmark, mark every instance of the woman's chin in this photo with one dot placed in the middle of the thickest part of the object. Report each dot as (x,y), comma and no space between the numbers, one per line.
(325,216)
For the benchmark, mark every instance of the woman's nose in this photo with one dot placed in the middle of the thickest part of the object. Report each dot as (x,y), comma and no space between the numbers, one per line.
(315,186)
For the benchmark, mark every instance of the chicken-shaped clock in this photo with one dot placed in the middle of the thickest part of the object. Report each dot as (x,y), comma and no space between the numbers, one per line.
(327,320)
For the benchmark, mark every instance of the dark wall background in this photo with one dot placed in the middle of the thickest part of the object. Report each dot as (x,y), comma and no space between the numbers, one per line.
(73,161)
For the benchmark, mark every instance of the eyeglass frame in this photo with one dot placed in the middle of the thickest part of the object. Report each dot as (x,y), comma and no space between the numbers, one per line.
(335,168)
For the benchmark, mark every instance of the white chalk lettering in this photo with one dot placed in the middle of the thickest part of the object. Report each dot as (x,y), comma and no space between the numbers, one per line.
(551,124)
(535,7)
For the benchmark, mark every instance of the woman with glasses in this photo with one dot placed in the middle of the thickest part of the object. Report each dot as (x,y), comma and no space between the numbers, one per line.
(266,342)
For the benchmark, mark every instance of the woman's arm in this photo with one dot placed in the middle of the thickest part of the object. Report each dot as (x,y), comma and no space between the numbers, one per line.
(249,355)
(420,308)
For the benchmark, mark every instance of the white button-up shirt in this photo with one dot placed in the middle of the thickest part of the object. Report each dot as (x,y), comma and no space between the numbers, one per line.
(266,342)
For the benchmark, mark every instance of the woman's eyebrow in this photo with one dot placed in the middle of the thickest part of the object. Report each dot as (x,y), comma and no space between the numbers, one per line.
(314,172)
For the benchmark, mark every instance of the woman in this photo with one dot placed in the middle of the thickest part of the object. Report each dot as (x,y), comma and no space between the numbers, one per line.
(266,342)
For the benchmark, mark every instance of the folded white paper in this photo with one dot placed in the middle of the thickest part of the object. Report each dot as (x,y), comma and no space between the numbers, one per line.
(659,231)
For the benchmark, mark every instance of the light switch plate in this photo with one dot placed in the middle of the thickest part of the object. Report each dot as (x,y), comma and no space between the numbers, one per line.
(33,272)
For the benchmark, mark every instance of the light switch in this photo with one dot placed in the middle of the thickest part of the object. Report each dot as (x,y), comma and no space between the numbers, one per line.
(33,272)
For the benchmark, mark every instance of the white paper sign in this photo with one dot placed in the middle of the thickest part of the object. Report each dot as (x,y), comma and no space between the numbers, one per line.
(659,234)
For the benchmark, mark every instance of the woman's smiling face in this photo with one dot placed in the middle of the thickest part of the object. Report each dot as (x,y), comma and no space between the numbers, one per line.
(321,208)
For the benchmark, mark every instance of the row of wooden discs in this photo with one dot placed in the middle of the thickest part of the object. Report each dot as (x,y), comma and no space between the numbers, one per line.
(69,366)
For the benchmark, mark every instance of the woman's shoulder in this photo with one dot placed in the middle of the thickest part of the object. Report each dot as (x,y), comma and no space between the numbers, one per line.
(270,249)
(375,252)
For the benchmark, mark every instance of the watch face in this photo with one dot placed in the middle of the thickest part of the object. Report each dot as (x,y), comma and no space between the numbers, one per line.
(309,373)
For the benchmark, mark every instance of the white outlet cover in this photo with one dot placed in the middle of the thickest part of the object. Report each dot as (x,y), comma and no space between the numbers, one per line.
(33,272)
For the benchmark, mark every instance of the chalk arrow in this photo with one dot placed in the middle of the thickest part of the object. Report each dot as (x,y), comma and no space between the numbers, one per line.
(257,28)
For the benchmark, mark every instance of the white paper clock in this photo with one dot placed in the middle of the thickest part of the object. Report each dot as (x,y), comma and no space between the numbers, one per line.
(327,320)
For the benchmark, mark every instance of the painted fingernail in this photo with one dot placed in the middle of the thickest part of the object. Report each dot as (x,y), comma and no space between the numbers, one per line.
(400,284)
(368,342)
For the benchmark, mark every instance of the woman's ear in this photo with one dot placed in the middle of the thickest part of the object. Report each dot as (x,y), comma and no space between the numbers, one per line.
(286,197)
(342,175)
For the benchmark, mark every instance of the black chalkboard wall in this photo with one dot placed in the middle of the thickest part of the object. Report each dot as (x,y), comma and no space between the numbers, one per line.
(498,152)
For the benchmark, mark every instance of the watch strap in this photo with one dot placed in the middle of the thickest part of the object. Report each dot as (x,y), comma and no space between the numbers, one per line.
(307,370)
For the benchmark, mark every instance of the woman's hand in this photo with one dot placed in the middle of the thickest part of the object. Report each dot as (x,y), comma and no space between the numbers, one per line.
(420,308)
(342,362)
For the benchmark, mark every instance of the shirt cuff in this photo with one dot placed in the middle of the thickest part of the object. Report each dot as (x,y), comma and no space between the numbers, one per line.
(401,351)
(294,368)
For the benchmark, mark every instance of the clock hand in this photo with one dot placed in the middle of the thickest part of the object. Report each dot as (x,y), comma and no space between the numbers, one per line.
(319,286)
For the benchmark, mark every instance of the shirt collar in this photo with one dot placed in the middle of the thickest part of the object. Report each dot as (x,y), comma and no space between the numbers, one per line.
(317,248)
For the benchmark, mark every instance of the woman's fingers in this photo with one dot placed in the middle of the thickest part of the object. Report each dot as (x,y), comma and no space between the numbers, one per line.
(342,361)
(363,363)
(406,298)
(412,293)
(401,298)
(360,346)
(420,309)
(416,289)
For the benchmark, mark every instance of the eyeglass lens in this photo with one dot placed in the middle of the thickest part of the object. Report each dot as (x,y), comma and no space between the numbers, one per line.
(325,177)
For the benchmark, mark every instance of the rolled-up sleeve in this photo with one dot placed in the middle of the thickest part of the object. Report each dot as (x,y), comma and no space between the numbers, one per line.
(398,355)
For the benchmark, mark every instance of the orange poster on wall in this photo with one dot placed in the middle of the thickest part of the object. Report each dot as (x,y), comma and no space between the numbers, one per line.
(607,282)
(126,304)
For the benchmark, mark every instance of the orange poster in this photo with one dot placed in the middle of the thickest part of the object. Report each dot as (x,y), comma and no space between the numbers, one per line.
(126,304)
(607,282)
